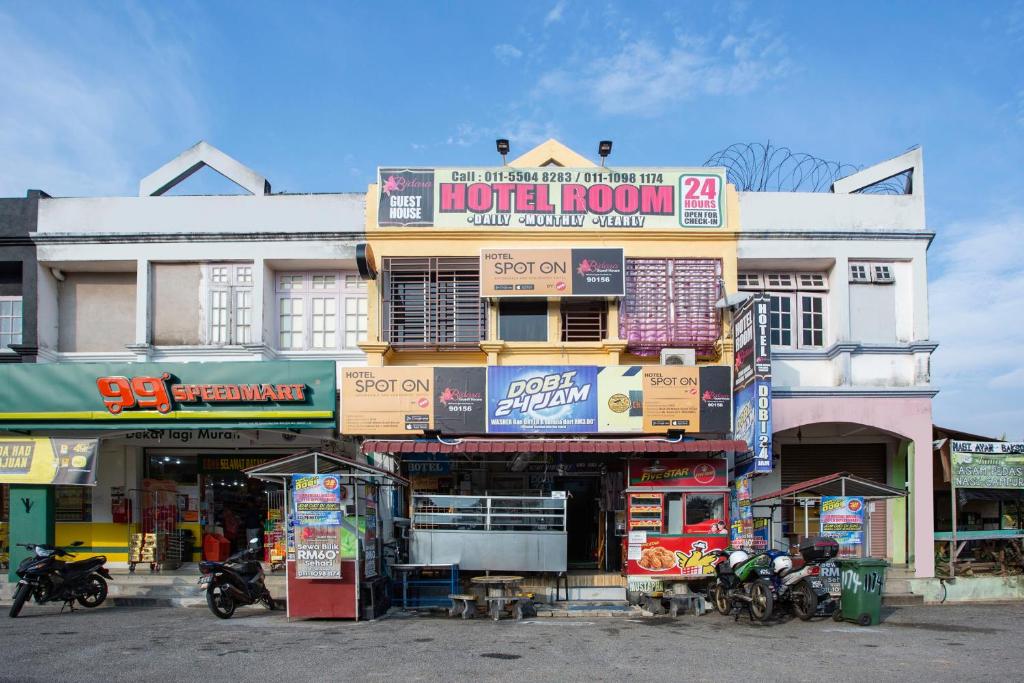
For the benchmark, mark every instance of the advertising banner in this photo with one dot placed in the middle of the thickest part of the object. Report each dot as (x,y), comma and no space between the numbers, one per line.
(988,465)
(752,377)
(550,197)
(842,518)
(317,499)
(42,460)
(542,399)
(620,398)
(565,272)
(395,400)
(317,553)
(741,531)
(237,394)
(672,472)
(672,556)
(686,398)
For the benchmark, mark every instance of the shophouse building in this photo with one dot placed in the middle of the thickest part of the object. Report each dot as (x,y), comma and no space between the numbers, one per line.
(846,274)
(193,335)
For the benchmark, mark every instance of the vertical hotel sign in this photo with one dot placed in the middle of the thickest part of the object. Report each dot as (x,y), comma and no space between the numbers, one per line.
(752,380)
(505,197)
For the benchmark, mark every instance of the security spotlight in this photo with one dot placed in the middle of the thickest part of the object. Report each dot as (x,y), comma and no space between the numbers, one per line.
(502,145)
(604,148)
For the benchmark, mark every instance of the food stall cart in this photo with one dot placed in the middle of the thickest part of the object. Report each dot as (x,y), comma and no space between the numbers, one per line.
(335,509)
(676,516)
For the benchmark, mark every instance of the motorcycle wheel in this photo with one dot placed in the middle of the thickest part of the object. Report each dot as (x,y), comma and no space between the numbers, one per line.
(761,601)
(720,596)
(220,603)
(20,596)
(268,601)
(95,592)
(805,602)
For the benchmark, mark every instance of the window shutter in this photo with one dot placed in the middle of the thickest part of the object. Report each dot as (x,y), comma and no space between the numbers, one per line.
(584,320)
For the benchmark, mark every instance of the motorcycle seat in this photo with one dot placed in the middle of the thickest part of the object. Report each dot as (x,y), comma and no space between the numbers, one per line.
(85,565)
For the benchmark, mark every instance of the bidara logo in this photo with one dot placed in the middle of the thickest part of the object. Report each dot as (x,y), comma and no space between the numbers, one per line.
(160,393)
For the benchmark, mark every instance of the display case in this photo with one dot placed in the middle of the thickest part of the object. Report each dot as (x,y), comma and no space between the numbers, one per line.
(646,512)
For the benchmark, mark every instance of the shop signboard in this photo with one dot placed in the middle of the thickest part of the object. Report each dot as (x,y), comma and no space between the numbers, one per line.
(542,399)
(988,465)
(671,556)
(677,472)
(427,464)
(317,553)
(43,460)
(842,518)
(317,499)
(558,272)
(396,400)
(752,380)
(264,394)
(552,197)
(216,464)
(662,398)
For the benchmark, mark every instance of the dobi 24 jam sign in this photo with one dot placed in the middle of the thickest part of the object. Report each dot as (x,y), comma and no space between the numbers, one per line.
(553,399)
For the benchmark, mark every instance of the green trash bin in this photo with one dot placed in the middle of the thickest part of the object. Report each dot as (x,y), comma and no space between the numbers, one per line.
(862,581)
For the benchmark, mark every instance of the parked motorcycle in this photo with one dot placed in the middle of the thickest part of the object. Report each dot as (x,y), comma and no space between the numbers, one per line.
(236,581)
(804,588)
(46,577)
(743,582)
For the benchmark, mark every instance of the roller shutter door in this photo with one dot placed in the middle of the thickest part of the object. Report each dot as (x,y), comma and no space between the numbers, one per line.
(810,461)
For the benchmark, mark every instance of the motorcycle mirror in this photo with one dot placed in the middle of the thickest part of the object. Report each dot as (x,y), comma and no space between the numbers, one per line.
(254,541)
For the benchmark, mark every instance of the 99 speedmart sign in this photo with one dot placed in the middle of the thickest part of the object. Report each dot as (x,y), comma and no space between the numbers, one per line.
(548,197)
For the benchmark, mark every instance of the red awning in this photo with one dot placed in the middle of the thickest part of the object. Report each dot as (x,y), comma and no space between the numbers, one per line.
(402,446)
(838,484)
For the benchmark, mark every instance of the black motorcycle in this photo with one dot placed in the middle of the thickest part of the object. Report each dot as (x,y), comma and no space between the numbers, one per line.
(46,577)
(237,581)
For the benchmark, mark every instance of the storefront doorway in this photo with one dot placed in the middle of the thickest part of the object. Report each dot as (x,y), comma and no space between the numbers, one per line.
(582,519)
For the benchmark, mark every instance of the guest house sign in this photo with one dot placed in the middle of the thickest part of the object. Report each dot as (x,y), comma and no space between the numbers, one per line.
(552,197)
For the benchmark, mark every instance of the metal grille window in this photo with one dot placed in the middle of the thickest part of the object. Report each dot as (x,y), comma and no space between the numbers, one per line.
(320,311)
(10,321)
(229,297)
(584,320)
(433,302)
(670,303)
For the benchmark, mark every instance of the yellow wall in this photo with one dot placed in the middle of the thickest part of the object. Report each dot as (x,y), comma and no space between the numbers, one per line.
(637,243)
(105,538)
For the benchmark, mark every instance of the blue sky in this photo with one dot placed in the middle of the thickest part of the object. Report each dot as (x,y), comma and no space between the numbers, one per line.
(315,96)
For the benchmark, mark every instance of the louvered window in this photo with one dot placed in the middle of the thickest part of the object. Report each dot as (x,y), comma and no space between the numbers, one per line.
(433,303)
(670,303)
(584,320)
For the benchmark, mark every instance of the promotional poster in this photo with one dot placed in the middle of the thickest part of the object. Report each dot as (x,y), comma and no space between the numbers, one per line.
(317,553)
(752,377)
(842,518)
(552,197)
(552,272)
(553,399)
(317,499)
(42,460)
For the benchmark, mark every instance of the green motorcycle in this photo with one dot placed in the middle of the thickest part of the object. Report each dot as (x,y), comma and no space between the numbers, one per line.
(743,582)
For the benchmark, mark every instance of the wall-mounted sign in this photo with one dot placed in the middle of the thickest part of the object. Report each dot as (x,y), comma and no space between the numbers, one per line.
(548,197)
(290,394)
(317,499)
(671,472)
(552,272)
(686,398)
(752,380)
(41,460)
(542,399)
(988,464)
(395,400)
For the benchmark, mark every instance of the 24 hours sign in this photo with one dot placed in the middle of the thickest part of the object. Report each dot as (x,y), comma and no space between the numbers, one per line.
(549,197)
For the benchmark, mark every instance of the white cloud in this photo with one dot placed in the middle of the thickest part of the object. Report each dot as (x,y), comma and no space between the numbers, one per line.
(522,133)
(644,76)
(506,53)
(555,13)
(977,316)
(84,97)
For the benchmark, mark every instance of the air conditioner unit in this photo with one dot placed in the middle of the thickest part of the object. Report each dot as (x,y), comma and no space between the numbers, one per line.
(678,357)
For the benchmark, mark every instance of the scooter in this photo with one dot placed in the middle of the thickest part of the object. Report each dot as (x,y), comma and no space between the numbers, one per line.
(804,588)
(47,578)
(237,581)
(743,582)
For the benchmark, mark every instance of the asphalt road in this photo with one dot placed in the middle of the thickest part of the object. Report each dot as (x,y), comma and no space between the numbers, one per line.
(936,643)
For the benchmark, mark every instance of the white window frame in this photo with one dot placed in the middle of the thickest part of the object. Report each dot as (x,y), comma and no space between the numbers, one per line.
(308,286)
(867,272)
(792,286)
(12,337)
(232,282)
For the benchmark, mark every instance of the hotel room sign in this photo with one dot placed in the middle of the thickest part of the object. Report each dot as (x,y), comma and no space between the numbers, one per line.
(552,197)
(552,272)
